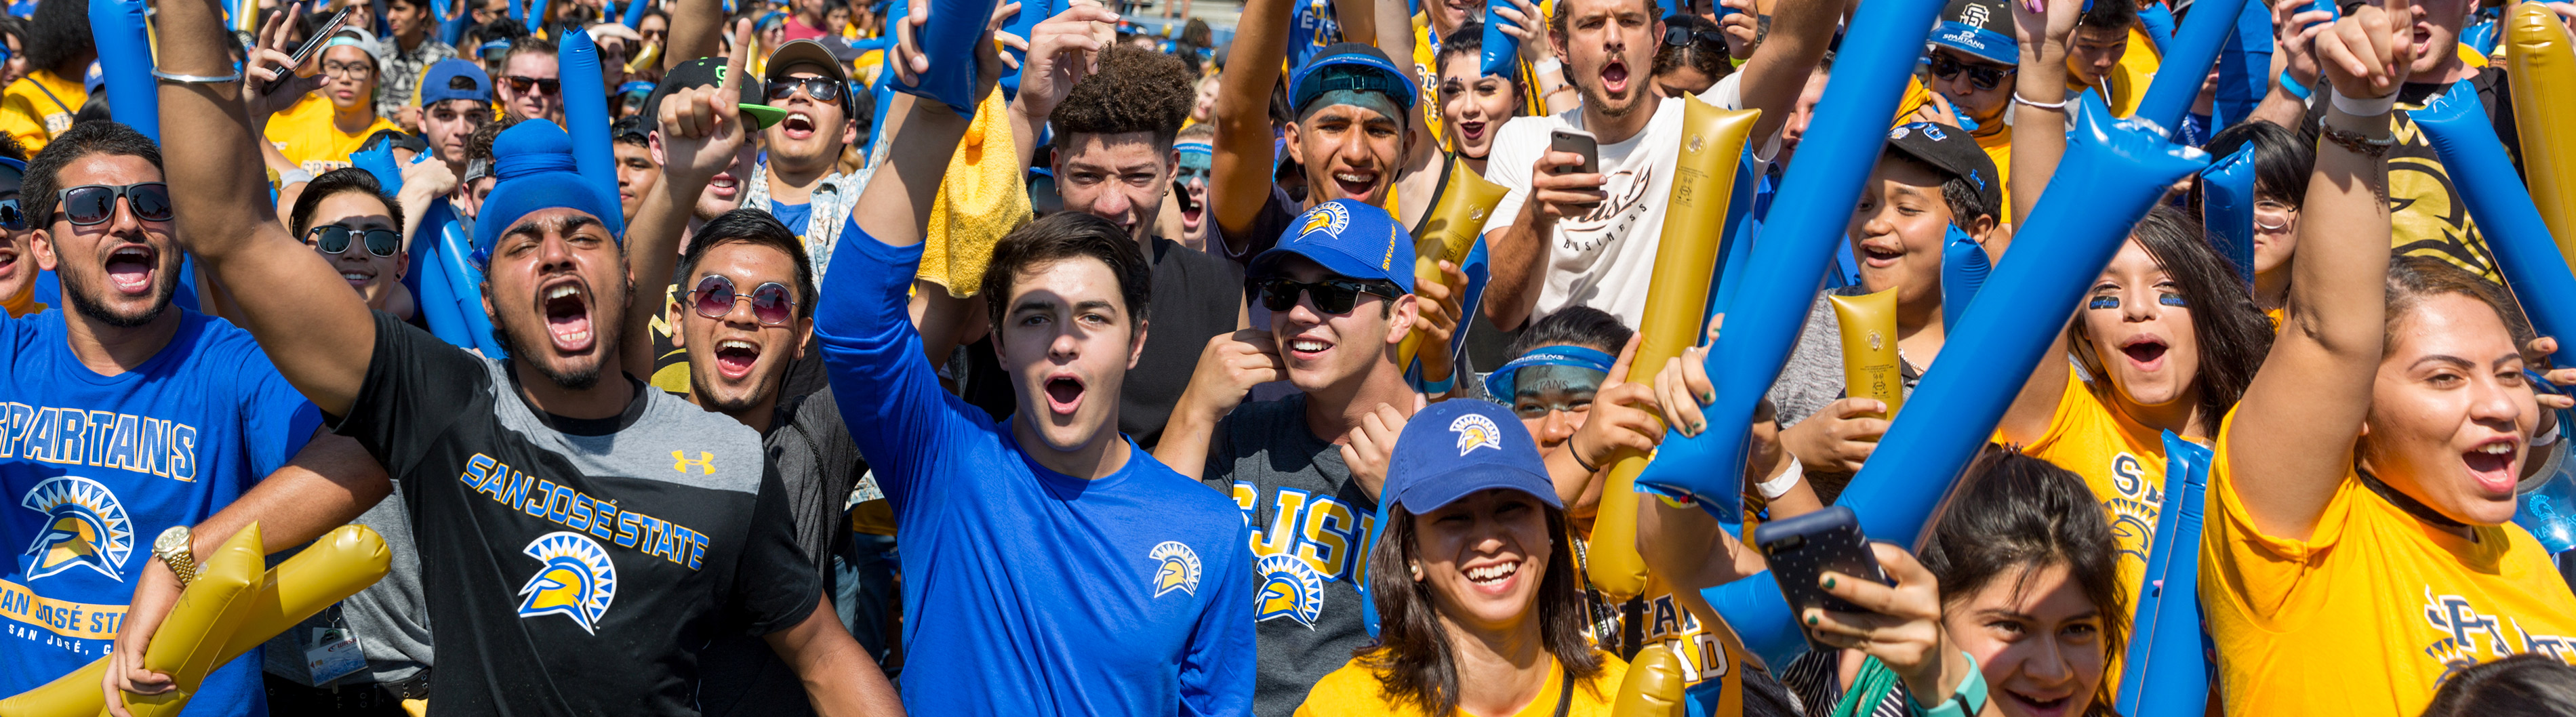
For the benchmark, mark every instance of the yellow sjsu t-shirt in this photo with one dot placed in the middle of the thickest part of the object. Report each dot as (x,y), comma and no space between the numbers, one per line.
(1997,142)
(2122,461)
(39,106)
(1355,690)
(304,134)
(2368,615)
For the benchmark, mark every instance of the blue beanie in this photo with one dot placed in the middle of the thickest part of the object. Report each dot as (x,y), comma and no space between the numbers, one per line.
(533,160)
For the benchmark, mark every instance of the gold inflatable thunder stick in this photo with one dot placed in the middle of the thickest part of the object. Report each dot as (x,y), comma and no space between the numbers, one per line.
(648,56)
(1871,368)
(1653,687)
(2542,68)
(1447,232)
(210,608)
(1694,226)
(342,562)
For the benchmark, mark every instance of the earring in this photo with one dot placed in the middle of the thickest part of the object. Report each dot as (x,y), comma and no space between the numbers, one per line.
(1417,572)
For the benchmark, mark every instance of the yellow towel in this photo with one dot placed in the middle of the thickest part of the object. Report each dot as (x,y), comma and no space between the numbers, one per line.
(981,199)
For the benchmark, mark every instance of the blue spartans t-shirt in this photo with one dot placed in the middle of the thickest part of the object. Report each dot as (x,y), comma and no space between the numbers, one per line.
(1031,592)
(93,467)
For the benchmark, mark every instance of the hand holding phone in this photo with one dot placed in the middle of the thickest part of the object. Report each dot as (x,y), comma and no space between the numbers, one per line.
(304,55)
(1578,142)
(1802,548)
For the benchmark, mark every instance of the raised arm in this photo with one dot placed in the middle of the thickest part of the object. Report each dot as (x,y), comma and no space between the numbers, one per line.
(1062,51)
(2038,143)
(1776,74)
(697,26)
(1240,172)
(2295,428)
(698,132)
(313,328)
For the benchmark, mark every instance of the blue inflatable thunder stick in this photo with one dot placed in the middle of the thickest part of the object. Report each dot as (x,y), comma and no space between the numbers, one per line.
(2167,674)
(2227,208)
(2497,199)
(1770,308)
(2112,173)
(125,59)
(2187,61)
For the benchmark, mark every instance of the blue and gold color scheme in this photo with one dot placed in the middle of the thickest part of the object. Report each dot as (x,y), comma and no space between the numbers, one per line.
(85,527)
(1348,238)
(577,581)
(1289,589)
(1176,567)
(1475,431)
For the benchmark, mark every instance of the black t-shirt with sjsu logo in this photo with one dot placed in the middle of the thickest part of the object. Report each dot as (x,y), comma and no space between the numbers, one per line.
(575,567)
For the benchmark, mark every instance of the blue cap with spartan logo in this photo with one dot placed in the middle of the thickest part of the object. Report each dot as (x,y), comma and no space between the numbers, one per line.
(1349,238)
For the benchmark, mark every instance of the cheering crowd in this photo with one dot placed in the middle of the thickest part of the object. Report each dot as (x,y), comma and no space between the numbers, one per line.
(953,357)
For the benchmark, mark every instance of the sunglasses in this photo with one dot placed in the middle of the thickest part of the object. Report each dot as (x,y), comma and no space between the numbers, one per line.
(715,299)
(1679,36)
(90,204)
(1983,78)
(822,89)
(12,218)
(543,86)
(1332,296)
(334,239)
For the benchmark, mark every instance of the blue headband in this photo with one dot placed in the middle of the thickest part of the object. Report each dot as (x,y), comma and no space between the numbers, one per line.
(1199,147)
(533,161)
(1499,383)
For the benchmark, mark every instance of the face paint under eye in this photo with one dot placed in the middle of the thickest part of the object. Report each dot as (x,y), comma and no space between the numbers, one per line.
(2171,299)
(2103,302)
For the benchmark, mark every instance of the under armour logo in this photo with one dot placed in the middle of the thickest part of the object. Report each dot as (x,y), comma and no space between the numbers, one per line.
(706,462)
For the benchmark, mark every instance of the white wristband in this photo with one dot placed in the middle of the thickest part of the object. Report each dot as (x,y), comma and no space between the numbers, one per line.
(1774,488)
(2367,107)
(1546,65)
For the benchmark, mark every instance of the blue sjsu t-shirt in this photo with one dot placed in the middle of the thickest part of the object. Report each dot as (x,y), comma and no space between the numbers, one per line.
(93,467)
(1031,592)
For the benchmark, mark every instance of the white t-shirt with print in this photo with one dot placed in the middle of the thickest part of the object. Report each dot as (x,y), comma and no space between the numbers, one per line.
(1604,259)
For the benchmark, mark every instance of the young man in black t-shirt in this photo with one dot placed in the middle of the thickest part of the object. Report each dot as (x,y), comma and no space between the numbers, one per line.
(1114,160)
(582,536)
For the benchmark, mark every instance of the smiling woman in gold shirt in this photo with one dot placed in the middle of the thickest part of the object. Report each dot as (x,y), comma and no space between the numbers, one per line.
(318,133)
(59,52)
(2358,549)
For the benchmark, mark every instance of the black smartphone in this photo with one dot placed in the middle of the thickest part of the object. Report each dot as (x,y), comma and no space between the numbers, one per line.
(314,44)
(1181,192)
(1578,142)
(1802,548)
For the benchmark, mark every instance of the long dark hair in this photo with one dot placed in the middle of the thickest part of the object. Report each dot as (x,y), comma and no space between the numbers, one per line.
(2233,336)
(1412,660)
(2014,513)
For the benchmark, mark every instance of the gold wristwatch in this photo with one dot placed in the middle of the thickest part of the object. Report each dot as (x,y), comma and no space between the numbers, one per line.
(172,549)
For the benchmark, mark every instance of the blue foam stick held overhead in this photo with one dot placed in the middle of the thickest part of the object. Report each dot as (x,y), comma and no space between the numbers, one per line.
(2111,175)
(586,109)
(125,58)
(634,17)
(949,38)
(2166,673)
(1501,51)
(2496,197)
(2227,208)
(2187,61)
(1877,56)
(465,284)
(1964,266)
(536,16)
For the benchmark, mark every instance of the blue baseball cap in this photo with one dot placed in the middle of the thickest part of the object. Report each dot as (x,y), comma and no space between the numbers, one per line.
(1347,237)
(1453,449)
(1978,28)
(1350,66)
(438,83)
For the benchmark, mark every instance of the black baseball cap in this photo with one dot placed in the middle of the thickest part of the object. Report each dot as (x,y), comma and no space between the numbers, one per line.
(1978,28)
(1950,150)
(706,71)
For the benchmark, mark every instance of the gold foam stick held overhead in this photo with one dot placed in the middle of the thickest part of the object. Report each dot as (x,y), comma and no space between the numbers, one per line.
(1447,232)
(1694,226)
(2541,65)
(342,562)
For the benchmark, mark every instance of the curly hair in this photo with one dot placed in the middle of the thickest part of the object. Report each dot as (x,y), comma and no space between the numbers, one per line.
(1135,90)
(58,38)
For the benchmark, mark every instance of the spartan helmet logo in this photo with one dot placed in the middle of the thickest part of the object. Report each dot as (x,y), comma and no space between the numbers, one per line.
(1476,431)
(1290,589)
(577,581)
(1176,567)
(85,526)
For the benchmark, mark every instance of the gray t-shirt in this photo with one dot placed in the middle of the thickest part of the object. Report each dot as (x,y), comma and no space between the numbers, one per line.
(389,618)
(1311,528)
(1813,377)
(819,465)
